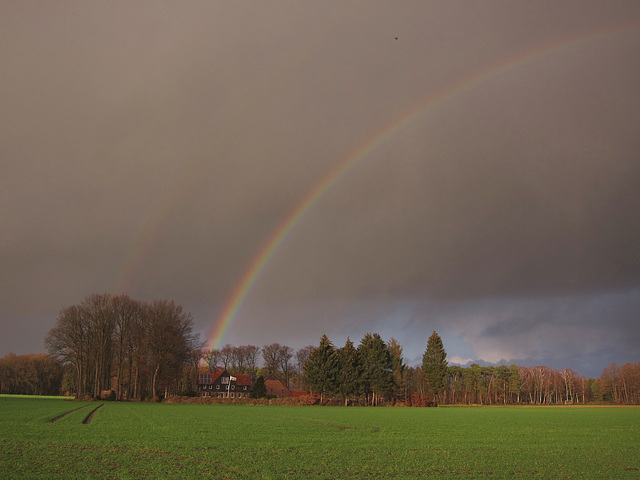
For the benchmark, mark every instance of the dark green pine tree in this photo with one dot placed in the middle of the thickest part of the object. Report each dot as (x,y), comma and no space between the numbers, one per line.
(399,368)
(377,369)
(434,364)
(349,371)
(321,369)
(260,388)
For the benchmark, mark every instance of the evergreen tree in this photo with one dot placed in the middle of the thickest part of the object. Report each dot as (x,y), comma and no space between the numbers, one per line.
(377,371)
(321,369)
(398,368)
(260,388)
(434,364)
(349,371)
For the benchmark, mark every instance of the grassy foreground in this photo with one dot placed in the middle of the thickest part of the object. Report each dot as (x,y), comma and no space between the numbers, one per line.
(133,440)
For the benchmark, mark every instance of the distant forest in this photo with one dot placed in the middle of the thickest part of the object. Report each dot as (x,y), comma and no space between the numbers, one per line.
(132,350)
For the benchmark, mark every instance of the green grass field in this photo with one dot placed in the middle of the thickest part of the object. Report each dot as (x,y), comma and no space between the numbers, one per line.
(135,440)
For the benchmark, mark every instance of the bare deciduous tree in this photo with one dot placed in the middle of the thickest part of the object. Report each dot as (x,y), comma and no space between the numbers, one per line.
(271,357)
(212,358)
(139,346)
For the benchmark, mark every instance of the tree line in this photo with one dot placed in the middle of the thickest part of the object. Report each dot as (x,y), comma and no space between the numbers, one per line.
(138,349)
(31,374)
(540,385)
(374,373)
(142,350)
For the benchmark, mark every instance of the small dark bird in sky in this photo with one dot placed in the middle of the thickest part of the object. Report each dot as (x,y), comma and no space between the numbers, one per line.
(396,38)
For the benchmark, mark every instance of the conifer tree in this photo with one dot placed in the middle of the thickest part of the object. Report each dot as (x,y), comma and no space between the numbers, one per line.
(349,371)
(398,367)
(260,388)
(321,369)
(434,364)
(377,371)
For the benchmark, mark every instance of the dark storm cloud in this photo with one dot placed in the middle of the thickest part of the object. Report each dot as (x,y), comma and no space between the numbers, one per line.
(156,148)
(469,222)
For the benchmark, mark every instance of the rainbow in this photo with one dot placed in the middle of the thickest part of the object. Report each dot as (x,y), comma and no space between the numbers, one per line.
(271,245)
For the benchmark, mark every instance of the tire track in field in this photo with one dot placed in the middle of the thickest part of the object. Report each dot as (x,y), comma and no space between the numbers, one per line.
(65,414)
(87,420)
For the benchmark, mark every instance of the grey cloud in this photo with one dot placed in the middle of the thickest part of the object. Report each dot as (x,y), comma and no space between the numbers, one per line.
(166,144)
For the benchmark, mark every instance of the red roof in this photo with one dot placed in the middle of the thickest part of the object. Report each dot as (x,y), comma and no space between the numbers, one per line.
(241,378)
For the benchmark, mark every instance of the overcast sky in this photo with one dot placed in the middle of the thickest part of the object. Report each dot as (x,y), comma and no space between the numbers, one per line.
(153,148)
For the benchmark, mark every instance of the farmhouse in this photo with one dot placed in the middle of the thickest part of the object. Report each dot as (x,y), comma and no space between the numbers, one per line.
(222,384)
(275,387)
